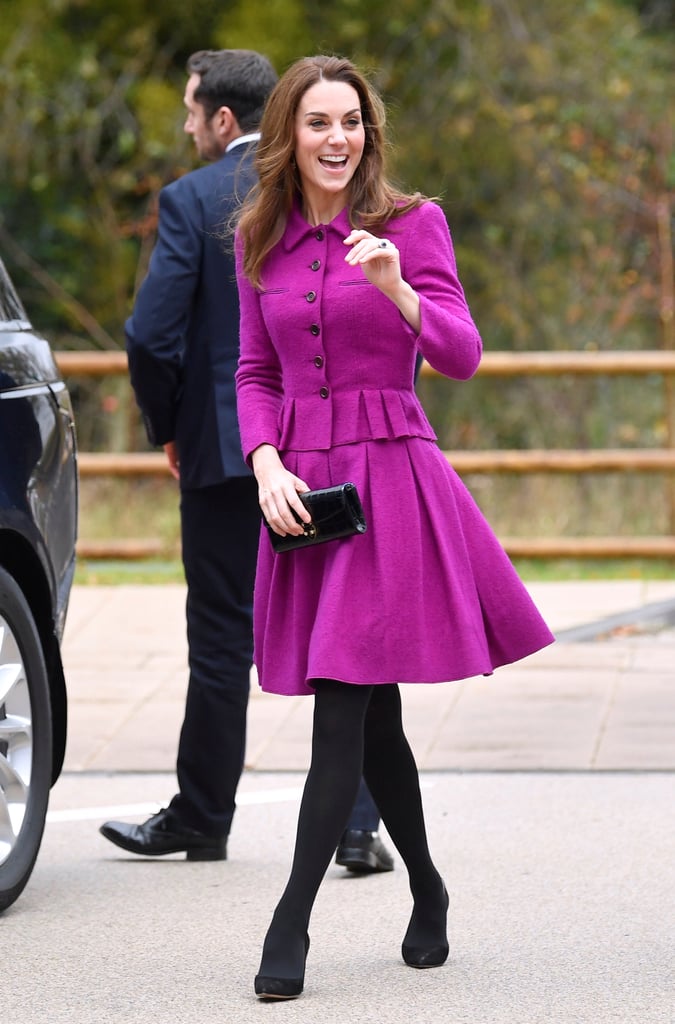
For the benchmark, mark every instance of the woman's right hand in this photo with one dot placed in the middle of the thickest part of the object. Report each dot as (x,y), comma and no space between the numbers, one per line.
(278,491)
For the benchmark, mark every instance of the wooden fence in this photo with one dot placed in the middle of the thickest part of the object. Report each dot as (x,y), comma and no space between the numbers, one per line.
(494,364)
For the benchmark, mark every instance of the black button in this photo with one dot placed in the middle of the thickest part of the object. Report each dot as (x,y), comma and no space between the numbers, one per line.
(318,361)
(324,392)
(315,265)
(310,296)
(315,329)
(319,236)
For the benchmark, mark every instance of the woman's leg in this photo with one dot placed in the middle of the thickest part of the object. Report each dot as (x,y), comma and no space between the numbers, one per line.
(328,797)
(391,773)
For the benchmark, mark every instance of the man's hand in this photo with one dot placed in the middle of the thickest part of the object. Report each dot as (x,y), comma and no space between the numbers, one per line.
(172,456)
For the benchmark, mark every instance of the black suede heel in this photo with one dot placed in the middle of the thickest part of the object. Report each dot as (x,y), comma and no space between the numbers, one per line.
(433,955)
(267,987)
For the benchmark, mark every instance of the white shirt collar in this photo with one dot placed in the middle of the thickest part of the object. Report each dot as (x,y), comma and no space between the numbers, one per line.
(241,139)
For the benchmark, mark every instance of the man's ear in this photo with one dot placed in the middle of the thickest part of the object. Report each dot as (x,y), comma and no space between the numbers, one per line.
(225,124)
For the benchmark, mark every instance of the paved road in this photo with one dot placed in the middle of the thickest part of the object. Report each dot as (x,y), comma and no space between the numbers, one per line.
(549,795)
(561,912)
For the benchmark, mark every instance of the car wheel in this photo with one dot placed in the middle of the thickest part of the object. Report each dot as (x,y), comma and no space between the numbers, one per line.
(25,741)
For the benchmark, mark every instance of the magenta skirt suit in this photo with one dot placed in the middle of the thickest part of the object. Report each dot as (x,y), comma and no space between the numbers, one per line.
(325,375)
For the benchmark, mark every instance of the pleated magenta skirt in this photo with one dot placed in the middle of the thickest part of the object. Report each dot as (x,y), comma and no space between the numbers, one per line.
(426,595)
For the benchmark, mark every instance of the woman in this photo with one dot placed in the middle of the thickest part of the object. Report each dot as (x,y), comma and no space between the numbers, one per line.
(343,280)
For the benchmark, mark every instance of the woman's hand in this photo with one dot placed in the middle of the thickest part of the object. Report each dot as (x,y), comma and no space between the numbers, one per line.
(381,264)
(377,257)
(278,491)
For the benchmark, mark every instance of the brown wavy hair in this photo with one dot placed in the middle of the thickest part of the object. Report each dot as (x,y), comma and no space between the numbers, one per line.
(373,200)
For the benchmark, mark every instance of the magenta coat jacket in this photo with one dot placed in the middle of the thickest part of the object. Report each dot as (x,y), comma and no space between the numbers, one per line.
(326,376)
(329,392)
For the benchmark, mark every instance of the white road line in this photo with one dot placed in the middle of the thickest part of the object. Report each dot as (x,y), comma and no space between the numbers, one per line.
(265,796)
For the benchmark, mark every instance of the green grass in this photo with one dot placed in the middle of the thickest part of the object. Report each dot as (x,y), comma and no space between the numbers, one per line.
(556,569)
(130,508)
(156,571)
(112,572)
(149,509)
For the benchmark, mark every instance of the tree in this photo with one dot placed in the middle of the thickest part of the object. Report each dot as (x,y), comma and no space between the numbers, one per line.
(92,91)
(543,126)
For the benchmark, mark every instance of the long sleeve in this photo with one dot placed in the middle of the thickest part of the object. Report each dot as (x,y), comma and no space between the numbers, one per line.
(156,331)
(448,338)
(259,376)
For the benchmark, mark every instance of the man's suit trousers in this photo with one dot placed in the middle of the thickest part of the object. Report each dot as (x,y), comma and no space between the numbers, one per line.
(220,527)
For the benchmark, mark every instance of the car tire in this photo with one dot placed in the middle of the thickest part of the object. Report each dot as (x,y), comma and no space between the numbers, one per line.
(25,741)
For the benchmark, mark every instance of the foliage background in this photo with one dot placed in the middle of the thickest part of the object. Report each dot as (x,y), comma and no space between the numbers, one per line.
(544,127)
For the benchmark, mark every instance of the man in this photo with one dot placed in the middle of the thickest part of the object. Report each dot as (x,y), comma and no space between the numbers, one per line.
(183,347)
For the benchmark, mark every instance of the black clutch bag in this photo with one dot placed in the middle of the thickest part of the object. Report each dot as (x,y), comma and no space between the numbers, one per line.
(336,512)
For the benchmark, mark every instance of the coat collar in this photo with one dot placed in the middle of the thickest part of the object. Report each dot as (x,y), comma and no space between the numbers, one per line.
(297,229)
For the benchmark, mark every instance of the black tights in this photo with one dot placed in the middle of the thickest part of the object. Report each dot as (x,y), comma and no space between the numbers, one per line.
(357,729)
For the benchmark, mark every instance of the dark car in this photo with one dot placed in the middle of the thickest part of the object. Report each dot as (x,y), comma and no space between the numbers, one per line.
(38,526)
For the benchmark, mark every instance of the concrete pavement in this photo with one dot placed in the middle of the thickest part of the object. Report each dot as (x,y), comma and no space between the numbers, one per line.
(603,703)
(549,798)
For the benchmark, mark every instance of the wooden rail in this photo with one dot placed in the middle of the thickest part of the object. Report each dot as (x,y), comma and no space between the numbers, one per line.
(596,460)
(589,547)
(554,364)
(493,364)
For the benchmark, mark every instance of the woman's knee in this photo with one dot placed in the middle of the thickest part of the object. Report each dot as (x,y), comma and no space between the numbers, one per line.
(384,721)
(340,710)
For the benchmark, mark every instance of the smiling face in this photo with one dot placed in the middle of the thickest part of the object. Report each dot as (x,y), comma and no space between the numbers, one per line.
(329,141)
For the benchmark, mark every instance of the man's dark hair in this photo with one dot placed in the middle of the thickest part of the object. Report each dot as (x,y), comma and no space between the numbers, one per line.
(239,79)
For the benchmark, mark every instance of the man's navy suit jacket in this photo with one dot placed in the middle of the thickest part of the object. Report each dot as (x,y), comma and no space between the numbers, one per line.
(183,335)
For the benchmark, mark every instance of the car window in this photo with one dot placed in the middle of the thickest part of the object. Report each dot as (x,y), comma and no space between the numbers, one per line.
(11,309)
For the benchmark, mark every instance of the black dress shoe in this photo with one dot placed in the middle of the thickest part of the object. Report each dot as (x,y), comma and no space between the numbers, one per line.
(164,833)
(363,852)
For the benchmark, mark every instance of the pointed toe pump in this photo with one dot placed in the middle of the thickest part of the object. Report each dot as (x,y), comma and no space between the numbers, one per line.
(267,987)
(426,945)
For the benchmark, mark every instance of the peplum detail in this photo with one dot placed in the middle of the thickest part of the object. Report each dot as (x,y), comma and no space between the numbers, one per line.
(313,423)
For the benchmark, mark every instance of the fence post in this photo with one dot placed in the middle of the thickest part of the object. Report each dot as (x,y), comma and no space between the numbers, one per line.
(666,314)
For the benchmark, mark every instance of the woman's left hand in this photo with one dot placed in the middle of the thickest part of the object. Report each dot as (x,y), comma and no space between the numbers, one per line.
(377,257)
